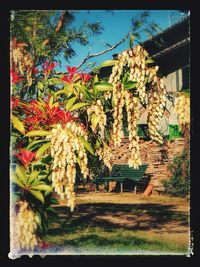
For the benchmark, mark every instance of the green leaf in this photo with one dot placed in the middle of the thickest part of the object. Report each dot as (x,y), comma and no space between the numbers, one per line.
(18,124)
(38,218)
(84,91)
(79,105)
(106,63)
(131,40)
(130,85)
(149,61)
(63,91)
(43,187)
(38,133)
(42,149)
(46,160)
(35,143)
(51,101)
(53,81)
(20,173)
(38,195)
(87,145)
(40,86)
(96,79)
(70,102)
(103,86)
(33,176)
(17,181)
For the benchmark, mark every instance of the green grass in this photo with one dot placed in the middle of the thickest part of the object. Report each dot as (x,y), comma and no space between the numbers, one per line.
(120,241)
(84,233)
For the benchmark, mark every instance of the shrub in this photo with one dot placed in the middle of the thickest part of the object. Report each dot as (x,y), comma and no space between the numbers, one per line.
(179,183)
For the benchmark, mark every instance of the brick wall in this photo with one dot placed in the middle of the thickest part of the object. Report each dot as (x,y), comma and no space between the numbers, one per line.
(157,157)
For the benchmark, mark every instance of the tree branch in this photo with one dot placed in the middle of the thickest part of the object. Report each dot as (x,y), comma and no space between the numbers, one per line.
(102,52)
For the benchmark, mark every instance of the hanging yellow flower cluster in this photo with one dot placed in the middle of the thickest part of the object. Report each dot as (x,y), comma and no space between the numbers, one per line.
(106,155)
(156,104)
(132,108)
(66,146)
(118,101)
(153,95)
(182,108)
(97,117)
(25,225)
(22,62)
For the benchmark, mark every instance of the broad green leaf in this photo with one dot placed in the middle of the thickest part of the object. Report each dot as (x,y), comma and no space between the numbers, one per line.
(46,160)
(79,105)
(70,102)
(149,61)
(107,63)
(68,89)
(37,194)
(131,40)
(87,145)
(103,86)
(42,149)
(18,124)
(38,218)
(20,173)
(33,176)
(53,81)
(96,79)
(43,187)
(38,133)
(35,143)
(60,92)
(130,85)
(51,101)
(40,86)
(84,91)
(17,181)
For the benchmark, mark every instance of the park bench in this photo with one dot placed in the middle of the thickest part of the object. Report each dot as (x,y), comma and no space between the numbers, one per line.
(120,173)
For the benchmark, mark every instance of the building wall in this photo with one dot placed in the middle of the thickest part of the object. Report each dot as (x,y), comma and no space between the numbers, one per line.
(157,157)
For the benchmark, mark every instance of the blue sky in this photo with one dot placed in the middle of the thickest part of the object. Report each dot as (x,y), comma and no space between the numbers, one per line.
(116,26)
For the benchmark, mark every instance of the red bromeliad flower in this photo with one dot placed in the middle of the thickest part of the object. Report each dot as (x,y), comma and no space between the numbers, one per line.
(85,77)
(37,117)
(26,156)
(15,77)
(66,79)
(72,71)
(14,102)
(35,70)
(64,116)
(47,67)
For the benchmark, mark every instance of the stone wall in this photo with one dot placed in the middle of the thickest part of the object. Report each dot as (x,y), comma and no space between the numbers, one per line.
(156,156)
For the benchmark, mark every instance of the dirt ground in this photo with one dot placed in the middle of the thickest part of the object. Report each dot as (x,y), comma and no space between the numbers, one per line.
(160,216)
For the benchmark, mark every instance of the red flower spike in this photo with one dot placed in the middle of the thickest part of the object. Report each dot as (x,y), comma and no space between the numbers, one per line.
(71,70)
(14,103)
(85,77)
(47,67)
(35,70)
(14,77)
(26,156)
(66,79)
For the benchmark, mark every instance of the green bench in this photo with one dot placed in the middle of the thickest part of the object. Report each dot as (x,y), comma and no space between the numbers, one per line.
(122,172)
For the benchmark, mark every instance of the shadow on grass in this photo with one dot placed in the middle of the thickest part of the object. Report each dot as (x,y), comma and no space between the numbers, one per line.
(121,216)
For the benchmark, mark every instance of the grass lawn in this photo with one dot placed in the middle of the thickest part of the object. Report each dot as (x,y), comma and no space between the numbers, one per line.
(123,226)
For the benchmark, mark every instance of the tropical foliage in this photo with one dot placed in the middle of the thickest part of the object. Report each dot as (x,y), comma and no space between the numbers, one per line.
(62,122)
